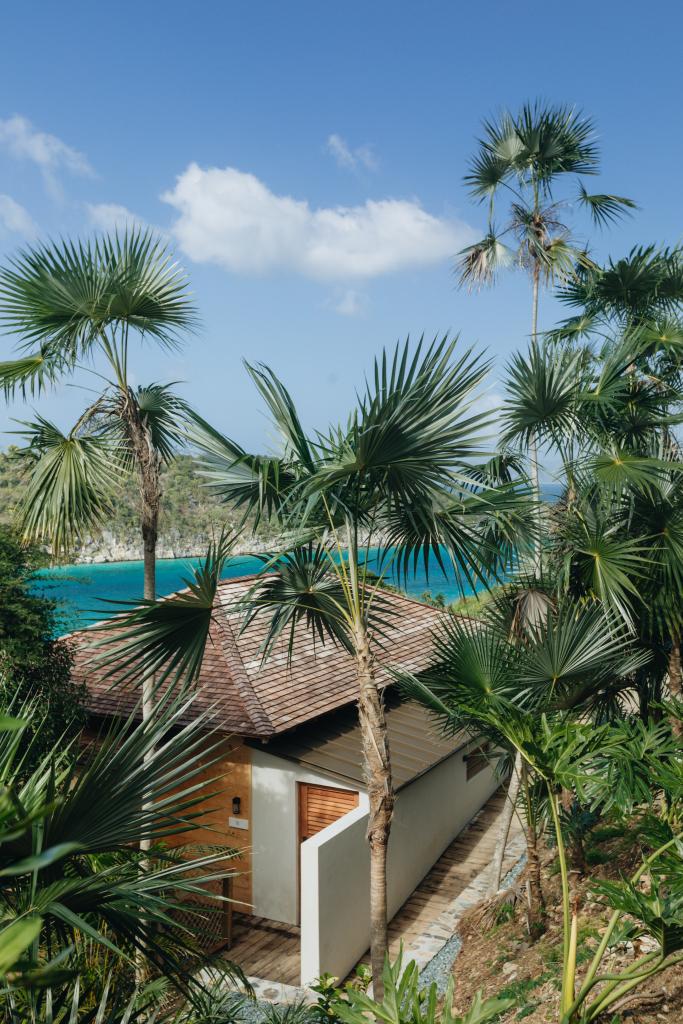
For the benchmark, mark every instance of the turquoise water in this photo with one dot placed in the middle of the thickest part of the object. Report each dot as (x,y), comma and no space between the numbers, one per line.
(83,591)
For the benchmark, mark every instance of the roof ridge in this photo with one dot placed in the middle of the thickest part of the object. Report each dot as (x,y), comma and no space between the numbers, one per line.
(233,658)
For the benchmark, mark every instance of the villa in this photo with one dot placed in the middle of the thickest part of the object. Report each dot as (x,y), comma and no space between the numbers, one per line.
(292,796)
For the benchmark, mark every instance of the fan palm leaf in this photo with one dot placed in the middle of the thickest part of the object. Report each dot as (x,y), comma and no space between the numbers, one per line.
(479,264)
(32,373)
(72,480)
(646,283)
(165,640)
(542,388)
(258,484)
(307,588)
(604,208)
(71,294)
(80,873)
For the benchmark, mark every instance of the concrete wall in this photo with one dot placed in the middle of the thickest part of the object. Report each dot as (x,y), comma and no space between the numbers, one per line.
(335,869)
(274,833)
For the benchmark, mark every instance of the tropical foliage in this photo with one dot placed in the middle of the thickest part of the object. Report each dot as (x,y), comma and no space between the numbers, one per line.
(71,306)
(33,664)
(570,679)
(73,878)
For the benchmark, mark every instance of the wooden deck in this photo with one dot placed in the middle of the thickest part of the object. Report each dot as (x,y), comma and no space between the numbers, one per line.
(266,949)
(457,866)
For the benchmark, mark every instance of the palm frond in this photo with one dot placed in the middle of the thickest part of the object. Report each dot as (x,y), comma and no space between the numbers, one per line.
(479,264)
(71,294)
(166,416)
(307,589)
(71,482)
(80,872)
(610,568)
(284,414)
(554,140)
(32,373)
(488,170)
(641,286)
(165,640)
(541,393)
(261,485)
(416,425)
(619,467)
(604,208)
(573,655)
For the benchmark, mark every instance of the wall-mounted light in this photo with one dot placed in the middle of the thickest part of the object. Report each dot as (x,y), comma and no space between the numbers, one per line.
(236,805)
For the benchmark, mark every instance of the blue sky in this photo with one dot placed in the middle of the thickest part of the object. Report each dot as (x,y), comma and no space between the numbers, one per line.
(306,161)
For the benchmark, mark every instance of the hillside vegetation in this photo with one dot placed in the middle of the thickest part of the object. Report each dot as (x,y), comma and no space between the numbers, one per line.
(190,515)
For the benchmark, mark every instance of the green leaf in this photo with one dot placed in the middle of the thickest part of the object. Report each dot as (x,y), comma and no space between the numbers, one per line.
(604,209)
(166,639)
(40,860)
(15,939)
(71,483)
(70,294)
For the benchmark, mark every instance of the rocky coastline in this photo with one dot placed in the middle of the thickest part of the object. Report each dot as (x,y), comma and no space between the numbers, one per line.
(109,547)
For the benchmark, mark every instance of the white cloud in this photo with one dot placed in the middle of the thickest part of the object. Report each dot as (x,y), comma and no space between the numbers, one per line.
(351,158)
(232,219)
(47,152)
(350,303)
(112,217)
(16,218)
(23,141)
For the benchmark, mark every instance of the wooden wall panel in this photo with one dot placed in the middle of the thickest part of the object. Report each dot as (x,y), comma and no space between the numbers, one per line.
(319,806)
(232,777)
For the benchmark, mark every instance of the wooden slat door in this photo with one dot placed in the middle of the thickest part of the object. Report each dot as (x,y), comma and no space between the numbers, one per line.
(319,806)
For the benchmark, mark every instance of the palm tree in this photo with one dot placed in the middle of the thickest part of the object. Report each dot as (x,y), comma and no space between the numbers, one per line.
(71,873)
(71,304)
(542,653)
(607,414)
(644,287)
(524,156)
(397,476)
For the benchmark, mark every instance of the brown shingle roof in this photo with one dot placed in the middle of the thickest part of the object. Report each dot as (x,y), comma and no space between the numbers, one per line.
(253,697)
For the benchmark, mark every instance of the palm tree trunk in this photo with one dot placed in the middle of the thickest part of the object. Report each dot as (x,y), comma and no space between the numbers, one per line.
(148,469)
(533,441)
(150,520)
(676,681)
(147,465)
(377,765)
(504,826)
(534,886)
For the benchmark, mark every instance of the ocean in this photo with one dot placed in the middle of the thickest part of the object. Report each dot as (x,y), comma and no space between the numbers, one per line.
(83,592)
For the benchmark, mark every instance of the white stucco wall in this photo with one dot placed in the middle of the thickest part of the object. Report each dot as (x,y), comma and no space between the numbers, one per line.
(275,840)
(335,869)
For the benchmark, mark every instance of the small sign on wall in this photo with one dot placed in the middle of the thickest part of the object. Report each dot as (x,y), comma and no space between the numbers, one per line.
(238,823)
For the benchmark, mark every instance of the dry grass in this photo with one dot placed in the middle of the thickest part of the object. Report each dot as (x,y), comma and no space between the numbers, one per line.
(498,957)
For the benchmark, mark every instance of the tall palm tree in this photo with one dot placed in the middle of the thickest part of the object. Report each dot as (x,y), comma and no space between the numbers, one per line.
(72,304)
(524,157)
(396,476)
